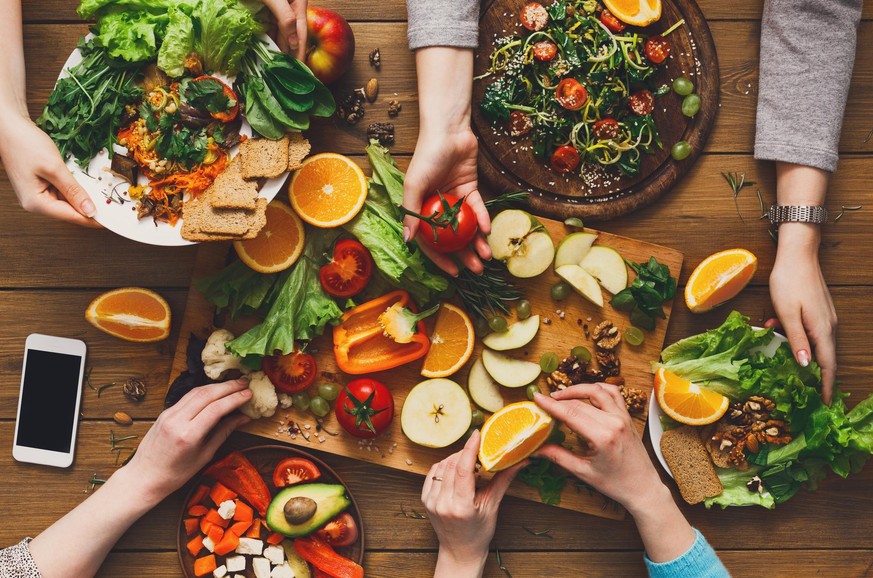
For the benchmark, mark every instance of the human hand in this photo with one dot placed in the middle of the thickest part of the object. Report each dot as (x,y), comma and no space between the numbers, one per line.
(290,18)
(185,437)
(41,180)
(463,518)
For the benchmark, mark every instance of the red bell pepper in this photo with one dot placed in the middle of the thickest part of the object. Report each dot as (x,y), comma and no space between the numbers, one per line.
(324,558)
(237,473)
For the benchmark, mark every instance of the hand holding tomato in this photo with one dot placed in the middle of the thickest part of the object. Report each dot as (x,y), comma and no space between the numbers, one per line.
(365,408)
(450,223)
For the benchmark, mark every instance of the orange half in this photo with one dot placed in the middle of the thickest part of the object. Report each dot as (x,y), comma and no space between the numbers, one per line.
(328,190)
(451,343)
(635,12)
(719,278)
(687,402)
(278,244)
(512,434)
(131,313)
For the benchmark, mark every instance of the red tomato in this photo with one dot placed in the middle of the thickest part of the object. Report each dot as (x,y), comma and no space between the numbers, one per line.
(340,532)
(230,94)
(290,373)
(642,102)
(657,49)
(519,123)
(349,271)
(571,94)
(449,223)
(609,20)
(606,128)
(544,50)
(565,159)
(292,471)
(534,16)
(365,408)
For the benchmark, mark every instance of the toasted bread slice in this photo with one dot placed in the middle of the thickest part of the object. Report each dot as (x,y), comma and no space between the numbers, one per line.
(262,157)
(231,191)
(203,222)
(298,149)
(689,461)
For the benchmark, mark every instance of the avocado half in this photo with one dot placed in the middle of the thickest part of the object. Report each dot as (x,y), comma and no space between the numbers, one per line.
(331,499)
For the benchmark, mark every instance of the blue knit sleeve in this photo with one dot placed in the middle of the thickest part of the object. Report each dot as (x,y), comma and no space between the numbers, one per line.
(700,561)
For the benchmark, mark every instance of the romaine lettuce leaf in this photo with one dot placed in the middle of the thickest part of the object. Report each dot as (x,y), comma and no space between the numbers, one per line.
(226,29)
(178,42)
(132,36)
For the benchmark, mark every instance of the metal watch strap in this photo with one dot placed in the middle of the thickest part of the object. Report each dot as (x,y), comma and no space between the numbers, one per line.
(797,214)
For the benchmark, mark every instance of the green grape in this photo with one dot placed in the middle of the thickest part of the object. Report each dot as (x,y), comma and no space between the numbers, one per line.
(523,309)
(691,105)
(497,324)
(682,86)
(557,436)
(530,390)
(328,391)
(681,150)
(560,291)
(582,353)
(319,406)
(634,336)
(574,222)
(300,401)
(549,361)
(478,418)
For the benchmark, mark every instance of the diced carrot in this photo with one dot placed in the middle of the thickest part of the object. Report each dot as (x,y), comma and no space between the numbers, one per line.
(199,496)
(212,516)
(254,530)
(240,528)
(275,538)
(205,525)
(215,534)
(220,493)
(191,525)
(197,510)
(204,565)
(195,545)
(228,544)
(244,512)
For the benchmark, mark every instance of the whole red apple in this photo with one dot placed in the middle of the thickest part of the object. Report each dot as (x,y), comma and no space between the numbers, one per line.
(331,44)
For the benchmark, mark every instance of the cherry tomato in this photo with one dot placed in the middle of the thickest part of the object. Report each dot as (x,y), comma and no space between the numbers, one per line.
(449,223)
(609,20)
(544,50)
(571,94)
(340,532)
(519,123)
(534,16)
(349,271)
(292,471)
(606,128)
(231,113)
(565,159)
(642,102)
(290,373)
(657,49)
(365,408)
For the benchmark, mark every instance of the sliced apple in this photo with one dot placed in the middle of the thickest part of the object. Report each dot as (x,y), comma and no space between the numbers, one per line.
(607,266)
(516,335)
(436,413)
(573,248)
(582,281)
(508,371)
(484,391)
(520,240)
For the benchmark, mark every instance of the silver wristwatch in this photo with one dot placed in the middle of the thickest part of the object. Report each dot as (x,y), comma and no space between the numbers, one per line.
(797,214)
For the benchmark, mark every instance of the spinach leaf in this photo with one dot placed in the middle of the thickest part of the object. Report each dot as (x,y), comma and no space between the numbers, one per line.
(652,286)
(208,94)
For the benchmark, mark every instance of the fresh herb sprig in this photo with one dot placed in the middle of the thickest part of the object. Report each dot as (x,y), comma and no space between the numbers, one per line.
(487,294)
(653,286)
(737,182)
(546,477)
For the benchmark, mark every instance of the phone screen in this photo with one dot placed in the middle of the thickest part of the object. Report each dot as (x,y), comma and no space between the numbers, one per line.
(48,400)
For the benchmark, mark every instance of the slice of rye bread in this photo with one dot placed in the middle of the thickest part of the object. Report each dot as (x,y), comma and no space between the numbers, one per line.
(689,461)
(262,157)
(298,149)
(231,191)
(202,222)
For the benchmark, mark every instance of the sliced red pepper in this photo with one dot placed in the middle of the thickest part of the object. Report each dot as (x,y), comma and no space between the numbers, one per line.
(237,473)
(324,558)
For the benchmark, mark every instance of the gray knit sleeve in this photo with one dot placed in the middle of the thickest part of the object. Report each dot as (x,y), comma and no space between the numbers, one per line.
(443,23)
(807,53)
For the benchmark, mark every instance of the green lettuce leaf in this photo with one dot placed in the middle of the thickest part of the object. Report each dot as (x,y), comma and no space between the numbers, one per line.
(227,29)
(736,493)
(177,44)
(132,36)
(238,289)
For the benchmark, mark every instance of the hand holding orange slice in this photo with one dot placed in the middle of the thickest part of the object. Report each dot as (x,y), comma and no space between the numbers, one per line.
(131,313)
(512,434)
(687,402)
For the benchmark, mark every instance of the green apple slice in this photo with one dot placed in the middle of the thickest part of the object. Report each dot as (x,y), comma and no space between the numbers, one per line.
(573,248)
(484,391)
(520,240)
(436,413)
(582,282)
(516,335)
(508,371)
(534,256)
(607,266)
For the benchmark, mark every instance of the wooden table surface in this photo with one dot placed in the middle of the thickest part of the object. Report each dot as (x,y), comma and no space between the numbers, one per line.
(52,270)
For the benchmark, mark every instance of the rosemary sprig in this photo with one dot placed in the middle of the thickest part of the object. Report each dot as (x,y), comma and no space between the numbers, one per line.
(542,533)
(488,293)
(95,481)
(412,514)
(843,210)
(506,199)
(764,212)
(737,182)
(500,564)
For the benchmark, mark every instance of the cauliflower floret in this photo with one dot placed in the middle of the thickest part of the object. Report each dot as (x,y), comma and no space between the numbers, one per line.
(264,399)
(285,401)
(217,360)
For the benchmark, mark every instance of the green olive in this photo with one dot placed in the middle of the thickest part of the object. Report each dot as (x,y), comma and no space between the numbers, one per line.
(523,309)
(560,291)
(497,324)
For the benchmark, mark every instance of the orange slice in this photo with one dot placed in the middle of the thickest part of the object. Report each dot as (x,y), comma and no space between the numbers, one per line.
(328,190)
(131,313)
(278,245)
(718,278)
(687,402)
(635,12)
(512,434)
(451,343)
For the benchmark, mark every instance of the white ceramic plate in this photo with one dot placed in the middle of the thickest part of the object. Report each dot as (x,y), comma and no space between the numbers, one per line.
(656,428)
(121,218)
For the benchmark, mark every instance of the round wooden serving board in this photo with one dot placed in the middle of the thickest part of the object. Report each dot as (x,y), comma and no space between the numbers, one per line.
(508,165)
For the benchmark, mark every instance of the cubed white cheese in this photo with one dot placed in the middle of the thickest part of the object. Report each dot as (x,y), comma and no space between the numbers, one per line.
(261,566)
(235,563)
(209,544)
(249,546)
(275,554)
(282,571)
(238,576)
(220,572)
(227,509)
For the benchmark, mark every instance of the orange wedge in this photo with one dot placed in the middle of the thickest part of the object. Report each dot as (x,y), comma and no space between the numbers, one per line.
(278,245)
(512,434)
(451,343)
(131,313)
(718,278)
(635,12)
(328,190)
(687,402)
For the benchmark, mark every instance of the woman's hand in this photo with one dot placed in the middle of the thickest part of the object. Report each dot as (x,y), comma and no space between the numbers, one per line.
(290,18)
(463,518)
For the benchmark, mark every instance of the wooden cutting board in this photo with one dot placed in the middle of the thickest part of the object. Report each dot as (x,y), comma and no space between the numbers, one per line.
(563,331)
(508,165)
